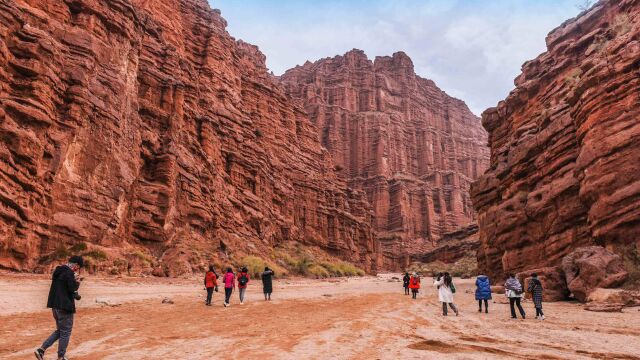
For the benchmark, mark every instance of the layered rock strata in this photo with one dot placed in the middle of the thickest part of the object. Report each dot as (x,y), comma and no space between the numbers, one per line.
(412,148)
(142,125)
(565,145)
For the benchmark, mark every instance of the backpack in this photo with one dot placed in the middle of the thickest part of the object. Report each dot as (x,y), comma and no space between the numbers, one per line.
(243,280)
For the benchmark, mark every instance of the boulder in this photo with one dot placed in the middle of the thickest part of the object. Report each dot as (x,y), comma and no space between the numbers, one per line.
(167,301)
(614,296)
(552,279)
(601,307)
(497,289)
(592,267)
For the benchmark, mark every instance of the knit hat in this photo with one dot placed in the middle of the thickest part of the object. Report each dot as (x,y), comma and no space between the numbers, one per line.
(77,260)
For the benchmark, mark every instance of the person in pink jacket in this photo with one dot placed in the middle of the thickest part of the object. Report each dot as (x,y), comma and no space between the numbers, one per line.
(229,280)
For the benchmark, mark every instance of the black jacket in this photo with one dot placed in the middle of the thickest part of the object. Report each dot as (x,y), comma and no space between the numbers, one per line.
(63,286)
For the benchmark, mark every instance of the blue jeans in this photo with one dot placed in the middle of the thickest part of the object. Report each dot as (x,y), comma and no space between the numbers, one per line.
(64,324)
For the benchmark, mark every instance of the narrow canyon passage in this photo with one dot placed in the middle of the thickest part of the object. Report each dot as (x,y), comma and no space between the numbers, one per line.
(358,318)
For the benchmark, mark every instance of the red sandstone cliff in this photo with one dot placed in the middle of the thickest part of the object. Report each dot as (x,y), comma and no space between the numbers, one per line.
(142,125)
(565,148)
(412,148)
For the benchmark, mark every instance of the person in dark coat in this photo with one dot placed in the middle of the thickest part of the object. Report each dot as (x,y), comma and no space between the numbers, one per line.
(267,283)
(62,295)
(405,283)
(535,289)
(483,292)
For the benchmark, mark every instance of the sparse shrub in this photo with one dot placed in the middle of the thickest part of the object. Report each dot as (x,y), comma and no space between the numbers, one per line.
(258,133)
(256,266)
(78,247)
(95,254)
(318,271)
(61,252)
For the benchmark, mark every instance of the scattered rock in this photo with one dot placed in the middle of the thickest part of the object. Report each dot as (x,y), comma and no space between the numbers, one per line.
(600,307)
(167,301)
(107,302)
(497,289)
(327,295)
(592,267)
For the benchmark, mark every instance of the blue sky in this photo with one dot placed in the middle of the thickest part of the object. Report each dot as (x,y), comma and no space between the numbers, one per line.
(472,49)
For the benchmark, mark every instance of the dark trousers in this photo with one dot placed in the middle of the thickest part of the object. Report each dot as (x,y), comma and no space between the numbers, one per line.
(209,295)
(406,290)
(539,311)
(445,310)
(486,305)
(64,324)
(227,294)
(516,301)
(414,292)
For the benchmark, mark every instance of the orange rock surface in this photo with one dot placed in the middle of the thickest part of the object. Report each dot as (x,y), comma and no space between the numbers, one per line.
(412,148)
(565,146)
(141,125)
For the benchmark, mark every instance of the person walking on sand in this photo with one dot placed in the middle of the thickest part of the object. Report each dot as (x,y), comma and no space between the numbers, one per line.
(446,289)
(229,284)
(62,295)
(513,290)
(483,292)
(267,283)
(210,284)
(535,289)
(243,280)
(405,283)
(414,285)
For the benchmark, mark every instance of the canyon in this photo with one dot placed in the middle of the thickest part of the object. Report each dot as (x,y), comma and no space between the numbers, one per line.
(409,146)
(142,132)
(562,193)
(147,138)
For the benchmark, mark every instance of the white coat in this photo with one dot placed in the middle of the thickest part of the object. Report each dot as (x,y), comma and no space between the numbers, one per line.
(444,292)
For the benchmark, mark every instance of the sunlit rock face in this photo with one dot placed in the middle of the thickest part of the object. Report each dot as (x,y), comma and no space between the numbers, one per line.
(412,148)
(136,125)
(565,148)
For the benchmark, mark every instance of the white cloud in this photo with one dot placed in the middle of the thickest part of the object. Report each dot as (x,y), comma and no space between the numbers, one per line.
(471,49)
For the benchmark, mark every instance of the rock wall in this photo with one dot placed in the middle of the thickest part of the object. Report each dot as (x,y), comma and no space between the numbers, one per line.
(565,145)
(412,148)
(142,125)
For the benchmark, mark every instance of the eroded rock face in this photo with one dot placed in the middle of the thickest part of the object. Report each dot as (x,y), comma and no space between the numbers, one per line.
(412,148)
(132,124)
(564,169)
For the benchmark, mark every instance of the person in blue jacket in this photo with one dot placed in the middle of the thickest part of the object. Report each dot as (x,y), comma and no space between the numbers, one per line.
(483,292)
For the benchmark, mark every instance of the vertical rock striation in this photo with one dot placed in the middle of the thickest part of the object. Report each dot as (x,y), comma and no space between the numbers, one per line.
(136,124)
(565,145)
(412,148)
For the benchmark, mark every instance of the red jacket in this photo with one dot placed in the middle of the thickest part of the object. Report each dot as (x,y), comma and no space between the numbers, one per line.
(210,279)
(239,276)
(414,283)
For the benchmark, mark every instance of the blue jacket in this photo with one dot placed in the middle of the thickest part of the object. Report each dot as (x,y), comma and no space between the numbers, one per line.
(483,288)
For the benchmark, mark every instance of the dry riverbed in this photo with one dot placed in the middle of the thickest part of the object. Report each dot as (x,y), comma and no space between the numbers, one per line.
(355,318)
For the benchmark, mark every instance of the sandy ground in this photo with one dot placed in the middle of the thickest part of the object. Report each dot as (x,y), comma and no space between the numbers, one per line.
(356,318)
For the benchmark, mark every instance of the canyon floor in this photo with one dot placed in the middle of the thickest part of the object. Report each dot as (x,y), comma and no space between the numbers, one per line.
(354,318)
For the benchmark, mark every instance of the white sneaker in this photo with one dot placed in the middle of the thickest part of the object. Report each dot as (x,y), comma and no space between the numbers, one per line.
(225,304)
(241,303)
(542,317)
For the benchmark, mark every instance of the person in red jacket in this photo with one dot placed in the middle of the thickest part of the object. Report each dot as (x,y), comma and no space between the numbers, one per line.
(243,280)
(229,280)
(414,284)
(210,283)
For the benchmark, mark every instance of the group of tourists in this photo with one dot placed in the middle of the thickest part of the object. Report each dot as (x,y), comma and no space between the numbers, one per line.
(66,282)
(230,279)
(513,290)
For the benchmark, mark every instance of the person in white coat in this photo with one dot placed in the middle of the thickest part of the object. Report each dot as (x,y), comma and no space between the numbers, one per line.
(444,284)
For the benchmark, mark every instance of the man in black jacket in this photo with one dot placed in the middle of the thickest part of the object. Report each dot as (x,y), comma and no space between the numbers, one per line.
(62,295)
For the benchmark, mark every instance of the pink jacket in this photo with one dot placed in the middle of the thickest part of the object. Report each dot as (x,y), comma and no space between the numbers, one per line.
(229,280)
